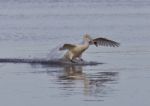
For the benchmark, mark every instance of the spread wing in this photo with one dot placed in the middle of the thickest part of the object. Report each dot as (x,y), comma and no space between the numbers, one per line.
(67,46)
(105,42)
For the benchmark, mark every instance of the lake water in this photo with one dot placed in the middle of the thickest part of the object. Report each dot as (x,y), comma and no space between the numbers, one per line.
(32,29)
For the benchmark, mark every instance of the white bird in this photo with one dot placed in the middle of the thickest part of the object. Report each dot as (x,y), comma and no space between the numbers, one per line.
(76,50)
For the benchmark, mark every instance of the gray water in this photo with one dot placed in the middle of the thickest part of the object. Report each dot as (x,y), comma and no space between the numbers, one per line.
(33,28)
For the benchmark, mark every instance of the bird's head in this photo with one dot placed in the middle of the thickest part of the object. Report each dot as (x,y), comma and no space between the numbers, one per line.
(87,38)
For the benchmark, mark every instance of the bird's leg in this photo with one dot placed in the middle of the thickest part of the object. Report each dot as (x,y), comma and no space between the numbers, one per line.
(71,58)
(80,57)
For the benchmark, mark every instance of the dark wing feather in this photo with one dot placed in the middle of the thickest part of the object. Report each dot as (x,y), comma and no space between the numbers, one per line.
(67,46)
(105,42)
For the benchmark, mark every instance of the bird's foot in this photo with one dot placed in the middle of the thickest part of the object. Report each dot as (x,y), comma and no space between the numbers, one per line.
(81,60)
(73,61)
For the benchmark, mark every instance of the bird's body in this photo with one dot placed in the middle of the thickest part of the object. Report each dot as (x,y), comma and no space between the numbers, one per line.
(76,50)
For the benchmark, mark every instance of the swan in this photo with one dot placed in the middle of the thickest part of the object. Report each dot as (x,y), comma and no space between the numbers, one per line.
(76,50)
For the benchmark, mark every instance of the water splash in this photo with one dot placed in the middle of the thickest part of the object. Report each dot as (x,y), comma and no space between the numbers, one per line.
(55,53)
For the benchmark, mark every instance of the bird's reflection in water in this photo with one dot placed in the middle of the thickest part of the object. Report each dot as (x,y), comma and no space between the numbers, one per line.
(97,84)
(74,80)
(72,73)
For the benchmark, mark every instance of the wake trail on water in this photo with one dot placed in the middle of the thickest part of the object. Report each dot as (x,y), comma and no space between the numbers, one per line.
(58,62)
(54,58)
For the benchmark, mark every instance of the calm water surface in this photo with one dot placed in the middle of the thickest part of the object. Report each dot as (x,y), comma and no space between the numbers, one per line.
(32,29)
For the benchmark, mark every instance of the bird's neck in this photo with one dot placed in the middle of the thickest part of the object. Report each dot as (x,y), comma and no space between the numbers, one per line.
(85,42)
